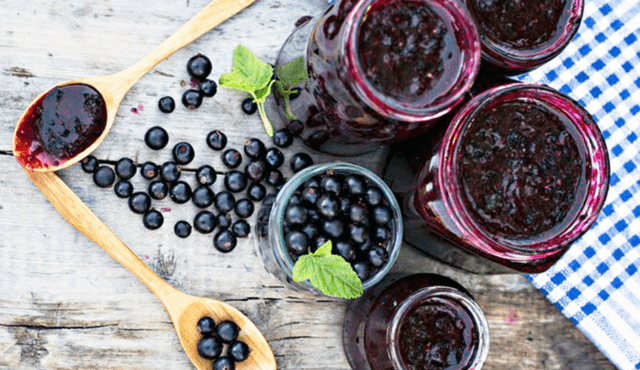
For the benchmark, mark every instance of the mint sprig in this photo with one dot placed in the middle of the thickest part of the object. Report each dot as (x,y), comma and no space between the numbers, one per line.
(290,75)
(252,75)
(329,273)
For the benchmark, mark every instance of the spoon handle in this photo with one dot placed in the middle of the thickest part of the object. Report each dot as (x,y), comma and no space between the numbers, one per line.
(211,16)
(73,209)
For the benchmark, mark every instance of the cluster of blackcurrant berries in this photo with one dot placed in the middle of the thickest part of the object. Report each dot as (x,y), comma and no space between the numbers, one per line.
(199,67)
(346,209)
(220,344)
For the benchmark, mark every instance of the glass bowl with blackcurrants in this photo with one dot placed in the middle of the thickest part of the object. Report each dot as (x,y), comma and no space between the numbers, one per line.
(338,202)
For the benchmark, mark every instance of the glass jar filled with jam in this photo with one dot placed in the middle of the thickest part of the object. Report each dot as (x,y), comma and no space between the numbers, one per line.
(519,175)
(379,71)
(518,36)
(420,321)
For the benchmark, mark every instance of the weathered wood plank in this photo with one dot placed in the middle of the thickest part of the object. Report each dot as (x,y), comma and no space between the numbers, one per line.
(65,304)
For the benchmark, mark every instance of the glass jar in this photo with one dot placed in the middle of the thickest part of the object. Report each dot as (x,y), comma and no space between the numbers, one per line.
(518,36)
(519,175)
(270,227)
(430,315)
(368,86)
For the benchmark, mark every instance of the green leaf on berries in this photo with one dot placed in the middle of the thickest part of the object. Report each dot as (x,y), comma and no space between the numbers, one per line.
(251,75)
(329,273)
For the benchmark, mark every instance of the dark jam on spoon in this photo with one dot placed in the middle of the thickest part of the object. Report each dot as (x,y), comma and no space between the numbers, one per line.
(59,125)
(520,169)
(409,52)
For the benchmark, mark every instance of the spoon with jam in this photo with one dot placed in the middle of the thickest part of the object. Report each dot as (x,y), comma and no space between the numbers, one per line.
(63,125)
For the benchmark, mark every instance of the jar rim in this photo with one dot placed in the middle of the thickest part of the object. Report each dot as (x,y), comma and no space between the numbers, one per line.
(466,34)
(455,296)
(276,218)
(597,171)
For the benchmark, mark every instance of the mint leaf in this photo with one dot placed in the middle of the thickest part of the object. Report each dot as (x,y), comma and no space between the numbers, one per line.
(234,80)
(292,73)
(251,75)
(247,64)
(330,273)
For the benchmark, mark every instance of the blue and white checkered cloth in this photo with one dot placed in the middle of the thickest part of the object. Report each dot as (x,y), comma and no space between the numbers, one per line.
(596,284)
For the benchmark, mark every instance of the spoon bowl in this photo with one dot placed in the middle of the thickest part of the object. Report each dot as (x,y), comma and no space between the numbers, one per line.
(184,310)
(114,87)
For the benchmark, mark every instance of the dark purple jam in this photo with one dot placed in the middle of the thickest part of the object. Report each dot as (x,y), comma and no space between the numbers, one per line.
(62,123)
(438,334)
(520,24)
(520,169)
(408,51)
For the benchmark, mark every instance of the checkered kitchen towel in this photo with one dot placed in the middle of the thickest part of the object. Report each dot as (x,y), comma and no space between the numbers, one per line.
(597,283)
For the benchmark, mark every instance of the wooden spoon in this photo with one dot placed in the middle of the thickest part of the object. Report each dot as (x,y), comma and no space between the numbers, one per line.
(184,310)
(114,87)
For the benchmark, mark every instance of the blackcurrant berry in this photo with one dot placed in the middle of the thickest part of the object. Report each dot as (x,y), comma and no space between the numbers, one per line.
(225,201)
(183,153)
(224,221)
(202,196)
(208,88)
(125,168)
(209,348)
(182,229)
(224,363)
(149,170)
(300,161)
(169,172)
(244,208)
(235,181)
(275,178)
(104,176)
(256,171)
(152,219)
(158,189)
(206,175)
(199,67)
(241,229)
(180,192)
(248,106)
(256,192)
(283,138)
(90,164)
(123,189)
(166,104)
(231,158)
(192,99)
(156,138)
(216,140)
(254,148)
(206,326)
(239,351)
(225,242)
(274,157)
(139,202)
(205,222)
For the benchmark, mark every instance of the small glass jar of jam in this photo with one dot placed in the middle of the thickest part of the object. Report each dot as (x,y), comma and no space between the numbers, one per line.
(420,321)
(379,71)
(518,36)
(519,175)
(341,202)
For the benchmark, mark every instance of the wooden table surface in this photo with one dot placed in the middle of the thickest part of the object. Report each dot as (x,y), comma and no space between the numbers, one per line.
(65,304)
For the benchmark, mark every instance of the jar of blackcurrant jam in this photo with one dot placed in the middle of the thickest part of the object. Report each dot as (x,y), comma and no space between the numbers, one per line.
(341,202)
(519,175)
(420,321)
(379,71)
(518,36)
